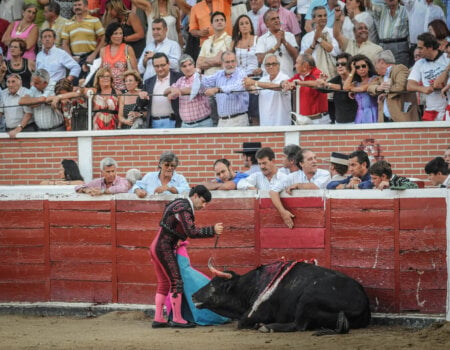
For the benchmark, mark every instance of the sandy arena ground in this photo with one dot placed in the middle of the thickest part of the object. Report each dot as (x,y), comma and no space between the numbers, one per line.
(132,330)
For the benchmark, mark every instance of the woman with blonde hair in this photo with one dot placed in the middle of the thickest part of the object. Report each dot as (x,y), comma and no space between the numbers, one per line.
(130,115)
(105,104)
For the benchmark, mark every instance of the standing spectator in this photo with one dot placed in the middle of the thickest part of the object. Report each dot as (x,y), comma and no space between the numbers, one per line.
(130,115)
(18,64)
(16,118)
(440,31)
(200,17)
(355,12)
(362,73)
(161,112)
(25,29)
(38,103)
(438,172)
(320,43)
(330,6)
(108,183)
(83,35)
(160,44)
(117,55)
(289,22)
(54,21)
(133,30)
(227,86)
(257,10)
(164,181)
(274,104)
(360,44)
(389,86)
(344,107)
(244,45)
(11,9)
(166,10)
(54,60)
(423,74)
(392,26)
(194,113)
(277,41)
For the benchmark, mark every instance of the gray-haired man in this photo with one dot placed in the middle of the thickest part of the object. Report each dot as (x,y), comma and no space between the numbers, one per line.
(108,183)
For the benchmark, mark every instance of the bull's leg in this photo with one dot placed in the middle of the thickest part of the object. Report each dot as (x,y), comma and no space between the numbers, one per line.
(278,327)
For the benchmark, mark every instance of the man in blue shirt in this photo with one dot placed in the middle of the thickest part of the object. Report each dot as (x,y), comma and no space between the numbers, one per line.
(227,179)
(358,166)
(329,6)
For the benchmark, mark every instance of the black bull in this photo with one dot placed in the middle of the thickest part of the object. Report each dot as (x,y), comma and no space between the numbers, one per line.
(307,297)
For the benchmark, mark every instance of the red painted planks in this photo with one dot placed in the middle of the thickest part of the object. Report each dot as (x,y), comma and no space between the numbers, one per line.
(364,258)
(81,271)
(140,206)
(380,300)
(304,217)
(272,255)
(132,293)
(422,203)
(80,253)
(72,218)
(423,279)
(22,219)
(426,301)
(363,219)
(423,239)
(223,256)
(128,255)
(21,205)
(292,238)
(29,292)
(21,236)
(423,260)
(22,255)
(374,278)
(133,238)
(81,291)
(80,235)
(138,221)
(230,203)
(23,273)
(237,238)
(427,218)
(299,202)
(230,218)
(356,238)
(361,204)
(79,205)
(135,273)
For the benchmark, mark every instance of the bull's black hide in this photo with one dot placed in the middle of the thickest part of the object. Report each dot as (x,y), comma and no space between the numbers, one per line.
(307,297)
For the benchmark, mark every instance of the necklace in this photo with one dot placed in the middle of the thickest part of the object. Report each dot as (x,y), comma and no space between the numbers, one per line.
(20,29)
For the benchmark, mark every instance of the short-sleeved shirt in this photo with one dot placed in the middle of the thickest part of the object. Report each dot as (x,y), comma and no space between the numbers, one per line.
(237,177)
(211,47)
(82,36)
(320,179)
(345,106)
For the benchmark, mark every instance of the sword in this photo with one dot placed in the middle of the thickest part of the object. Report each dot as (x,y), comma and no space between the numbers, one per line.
(217,240)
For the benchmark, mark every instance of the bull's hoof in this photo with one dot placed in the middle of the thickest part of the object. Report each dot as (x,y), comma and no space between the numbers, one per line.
(264,329)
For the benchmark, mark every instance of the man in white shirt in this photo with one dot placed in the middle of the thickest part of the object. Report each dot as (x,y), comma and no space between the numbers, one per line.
(424,73)
(257,9)
(54,60)
(262,180)
(278,42)
(309,177)
(162,44)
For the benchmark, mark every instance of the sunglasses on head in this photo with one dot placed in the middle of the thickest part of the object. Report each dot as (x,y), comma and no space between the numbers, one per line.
(361,66)
(341,64)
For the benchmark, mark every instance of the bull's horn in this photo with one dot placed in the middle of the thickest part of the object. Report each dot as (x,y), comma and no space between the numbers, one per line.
(216,272)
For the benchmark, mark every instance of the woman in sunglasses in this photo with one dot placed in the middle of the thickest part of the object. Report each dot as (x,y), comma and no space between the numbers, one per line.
(362,72)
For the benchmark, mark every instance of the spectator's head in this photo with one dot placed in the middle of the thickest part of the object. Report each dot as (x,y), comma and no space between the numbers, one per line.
(229,62)
(168,162)
(70,170)
(380,171)
(342,61)
(114,33)
(187,65)
(307,161)
(108,167)
(52,10)
(17,47)
(222,169)
(361,32)
(133,175)
(159,30)
(272,21)
(391,3)
(102,78)
(242,25)
(218,21)
(352,5)
(199,196)
(48,37)
(40,79)
(438,28)
(358,163)
(255,5)
(115,9)
(427,45)
(290,156)
(384,60)
(161,65)
(271,63)
(339,163)
(437,171)
(364,67)
(266,161)
(447,156)
(63,86)
(132,80)
(274,4)
(304,64)
(13,83)
(319,16)
(79,7)
(249,150)
(29,12)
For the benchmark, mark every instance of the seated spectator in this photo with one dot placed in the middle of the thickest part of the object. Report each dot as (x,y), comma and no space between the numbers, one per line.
(289,159)
(382,178)
(17,119)
(195,112)
(438,172)
(130,114)
(69,174)
(358,43)
(338,166)
(108,183)
(274,104)
(268,174)
(309,177)
(358,166)
(38,103)
(133,176)
(227,178)
(423,74)
(390,86)
(362,73)
(54,21)
(248,151)
(164,181)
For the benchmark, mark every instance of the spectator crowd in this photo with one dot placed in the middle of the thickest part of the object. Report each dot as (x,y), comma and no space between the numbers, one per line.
(224,63)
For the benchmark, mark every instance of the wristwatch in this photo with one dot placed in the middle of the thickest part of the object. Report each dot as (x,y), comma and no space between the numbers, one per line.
(20,126)
(319,40)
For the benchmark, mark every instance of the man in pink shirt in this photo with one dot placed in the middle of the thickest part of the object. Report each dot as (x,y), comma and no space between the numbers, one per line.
(109,183)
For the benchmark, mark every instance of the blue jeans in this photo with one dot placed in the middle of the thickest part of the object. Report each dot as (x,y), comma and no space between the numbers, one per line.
(208,123)
(163,124)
